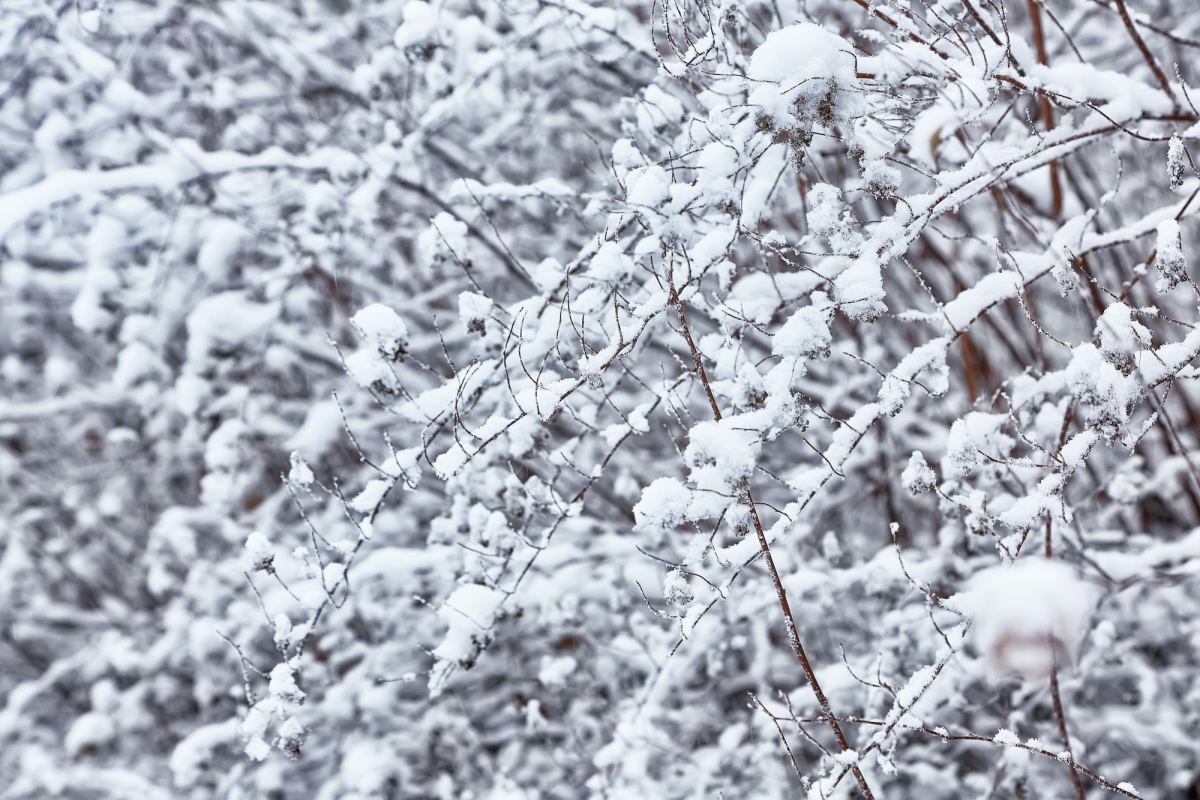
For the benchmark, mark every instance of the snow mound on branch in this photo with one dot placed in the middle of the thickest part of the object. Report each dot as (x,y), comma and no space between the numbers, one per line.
(383,328)
(816,70)
(223,321)
(469,613)
(1028,613)
(664,504)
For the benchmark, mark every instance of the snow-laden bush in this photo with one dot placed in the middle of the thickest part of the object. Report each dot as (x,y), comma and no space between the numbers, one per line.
(558,399)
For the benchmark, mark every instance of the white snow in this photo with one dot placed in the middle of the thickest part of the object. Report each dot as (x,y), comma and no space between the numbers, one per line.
(1028,614)
(382,328)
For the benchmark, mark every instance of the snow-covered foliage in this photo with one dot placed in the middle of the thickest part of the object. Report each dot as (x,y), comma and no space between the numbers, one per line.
(556,399)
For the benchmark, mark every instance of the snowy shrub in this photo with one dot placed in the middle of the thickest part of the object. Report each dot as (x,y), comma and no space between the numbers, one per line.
(532,400)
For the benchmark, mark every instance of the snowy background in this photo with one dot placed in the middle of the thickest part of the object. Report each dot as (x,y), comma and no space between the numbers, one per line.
(540,399)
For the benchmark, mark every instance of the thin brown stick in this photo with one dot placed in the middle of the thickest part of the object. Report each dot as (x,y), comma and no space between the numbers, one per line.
(1159,75)
(780,593)
(1044,107)
(1060,717)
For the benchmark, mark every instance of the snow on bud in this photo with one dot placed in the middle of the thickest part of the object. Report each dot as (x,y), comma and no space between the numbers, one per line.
(829,218)
(664,504)
(282,684)
(648,186)
(283,631)
(804,74)
(880,180)
(1168,257)
(677,591)
(382,328)
(474,310)
(257,749)
(1028,614)
(89,732)
(419,27)
(918,477)
(968,436)
(1064,274)
(300,473)
(469,612)
(260,553)
(1106,395)
(731,450)
(1120,335)
(291,737)
(804,335)
(610,264)
(372,372)
(445,241)
(1175,158)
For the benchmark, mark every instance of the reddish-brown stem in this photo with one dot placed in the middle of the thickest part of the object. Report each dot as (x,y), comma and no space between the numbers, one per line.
(780,593)
(1159,75)
(1047,112)
(1061,717)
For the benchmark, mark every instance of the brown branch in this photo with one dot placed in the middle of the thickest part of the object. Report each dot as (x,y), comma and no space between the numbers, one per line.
(1060,716)
(1159,75)
(780,593)
(1044,107)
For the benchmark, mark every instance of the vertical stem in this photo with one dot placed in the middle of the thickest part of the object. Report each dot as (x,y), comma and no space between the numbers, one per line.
(1039,40)
(780,593)
(1061,716)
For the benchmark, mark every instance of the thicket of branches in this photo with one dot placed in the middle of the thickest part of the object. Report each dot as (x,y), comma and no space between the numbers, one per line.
(543,399)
